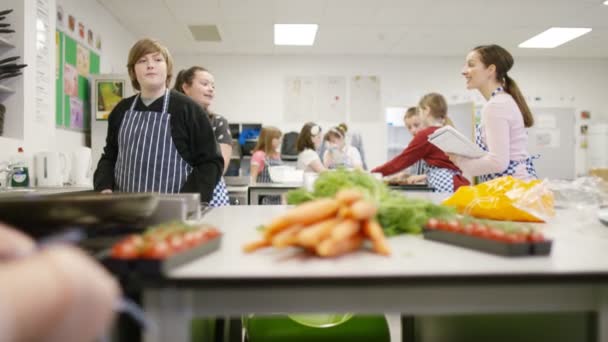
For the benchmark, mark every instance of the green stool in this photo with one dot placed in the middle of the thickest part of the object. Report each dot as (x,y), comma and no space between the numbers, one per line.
(282,328)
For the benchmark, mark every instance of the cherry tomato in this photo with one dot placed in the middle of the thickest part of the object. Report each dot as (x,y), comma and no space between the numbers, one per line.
(516,238)
(125,250)
(442,225)
(454,226)
(469,228)
(211,233)
(190,239)
(480,231)
(176,243)
(497,234)
(432,223)
(536,237)
(157,250)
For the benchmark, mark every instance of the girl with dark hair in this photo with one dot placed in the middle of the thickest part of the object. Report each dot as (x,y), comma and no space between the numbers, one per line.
(307,144)
(504,118)
(198,84)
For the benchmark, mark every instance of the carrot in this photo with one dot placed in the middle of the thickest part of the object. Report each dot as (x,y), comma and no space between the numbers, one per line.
(345,212)
(332,248)
(373,230)
(363,210)
(278,224)
(311,212)
(255,245)
(311,235)
(304,214)
(345,229)
(348,196)
(287,237)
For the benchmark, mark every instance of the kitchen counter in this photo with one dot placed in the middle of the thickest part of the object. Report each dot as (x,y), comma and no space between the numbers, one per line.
(257,190)
(35,191)
(420,277)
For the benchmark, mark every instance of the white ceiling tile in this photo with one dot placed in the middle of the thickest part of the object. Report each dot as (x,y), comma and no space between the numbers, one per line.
(201,12)
(357,12)
(299,12)
(247,11)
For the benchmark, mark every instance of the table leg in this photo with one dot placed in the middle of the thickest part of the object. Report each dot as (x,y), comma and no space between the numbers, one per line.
(170,312)
(602,315)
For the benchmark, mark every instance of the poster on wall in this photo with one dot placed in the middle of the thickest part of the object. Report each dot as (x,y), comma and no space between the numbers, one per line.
(76,62)
(59,16)
(71,23)
(365,99)
(76,113)
(109,93)
(83,63)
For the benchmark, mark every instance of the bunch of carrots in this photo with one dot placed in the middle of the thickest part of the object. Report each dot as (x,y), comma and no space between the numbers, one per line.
(327,227)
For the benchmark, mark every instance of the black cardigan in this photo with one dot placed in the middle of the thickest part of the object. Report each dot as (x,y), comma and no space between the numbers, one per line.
(192,135)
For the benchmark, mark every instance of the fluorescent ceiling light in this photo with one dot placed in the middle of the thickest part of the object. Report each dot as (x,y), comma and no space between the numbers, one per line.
(295,34)
(606,2)
(554,37)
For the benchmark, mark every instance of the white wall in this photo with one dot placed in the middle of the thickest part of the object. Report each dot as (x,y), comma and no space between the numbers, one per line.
(250,88)
(42,134)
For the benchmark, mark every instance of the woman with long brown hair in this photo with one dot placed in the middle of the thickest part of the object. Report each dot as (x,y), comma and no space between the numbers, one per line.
(504,118)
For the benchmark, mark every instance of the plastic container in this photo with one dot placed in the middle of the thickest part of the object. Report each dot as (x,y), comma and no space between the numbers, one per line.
(21,177)
(285,174)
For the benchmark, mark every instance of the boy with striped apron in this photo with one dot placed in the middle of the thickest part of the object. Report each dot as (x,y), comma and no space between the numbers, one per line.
(159,140)
(150,161)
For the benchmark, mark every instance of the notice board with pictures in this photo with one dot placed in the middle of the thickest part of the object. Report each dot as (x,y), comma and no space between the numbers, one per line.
(75,62)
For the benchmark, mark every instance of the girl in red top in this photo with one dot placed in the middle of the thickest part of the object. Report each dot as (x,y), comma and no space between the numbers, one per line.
(442,174)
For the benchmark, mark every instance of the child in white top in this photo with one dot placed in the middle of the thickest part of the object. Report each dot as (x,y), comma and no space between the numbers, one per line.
(307,144)
(339,154)
(504,118)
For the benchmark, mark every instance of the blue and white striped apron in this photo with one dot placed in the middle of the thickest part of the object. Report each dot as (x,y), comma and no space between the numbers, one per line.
(511,168)
(148,160)
(264,177)
(440,179)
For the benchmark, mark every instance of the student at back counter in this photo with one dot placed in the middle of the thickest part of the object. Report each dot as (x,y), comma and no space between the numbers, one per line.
(159,140)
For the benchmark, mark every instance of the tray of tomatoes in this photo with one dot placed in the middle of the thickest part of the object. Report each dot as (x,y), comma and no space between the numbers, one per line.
(501,238)
(161,248)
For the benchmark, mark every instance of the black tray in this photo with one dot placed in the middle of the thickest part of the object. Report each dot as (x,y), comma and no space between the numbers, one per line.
(410,187)
(488,245)
(41,215)
(156,267)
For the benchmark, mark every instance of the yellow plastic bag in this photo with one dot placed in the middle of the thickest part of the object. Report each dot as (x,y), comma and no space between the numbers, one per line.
(505,198)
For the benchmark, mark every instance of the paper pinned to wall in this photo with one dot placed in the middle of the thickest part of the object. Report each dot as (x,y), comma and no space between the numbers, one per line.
(546,121)
(330,102)
(299,99)
(365,99)
(547,138)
